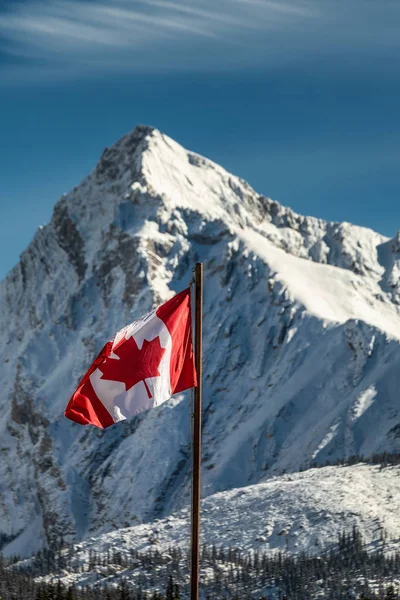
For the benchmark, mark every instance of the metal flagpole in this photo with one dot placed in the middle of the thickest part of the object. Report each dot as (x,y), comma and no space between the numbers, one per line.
(195,562)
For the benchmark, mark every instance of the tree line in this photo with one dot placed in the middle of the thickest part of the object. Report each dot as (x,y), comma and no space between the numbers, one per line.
(347,570)
(383,459)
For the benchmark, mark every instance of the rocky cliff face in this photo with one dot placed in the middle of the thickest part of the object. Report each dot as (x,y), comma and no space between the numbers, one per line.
(301,341)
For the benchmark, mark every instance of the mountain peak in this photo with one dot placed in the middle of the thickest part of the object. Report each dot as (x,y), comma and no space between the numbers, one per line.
(148,169)
(126,152)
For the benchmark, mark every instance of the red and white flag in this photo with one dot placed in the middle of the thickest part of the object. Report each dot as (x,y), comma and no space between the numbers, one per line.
(145,363)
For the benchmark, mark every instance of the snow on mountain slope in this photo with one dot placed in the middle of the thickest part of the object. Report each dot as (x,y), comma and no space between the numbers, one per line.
(301,341)
(291,513)
(297,512)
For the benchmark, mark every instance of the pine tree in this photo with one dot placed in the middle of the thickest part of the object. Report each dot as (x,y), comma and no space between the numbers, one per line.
(70,594)
(390,593)
(169,592)
(123,591)
(177,594)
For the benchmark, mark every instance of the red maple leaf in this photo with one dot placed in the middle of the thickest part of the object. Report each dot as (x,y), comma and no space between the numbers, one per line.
(133,364)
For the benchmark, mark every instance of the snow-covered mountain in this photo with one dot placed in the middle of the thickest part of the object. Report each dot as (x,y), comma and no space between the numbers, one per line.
(301,342)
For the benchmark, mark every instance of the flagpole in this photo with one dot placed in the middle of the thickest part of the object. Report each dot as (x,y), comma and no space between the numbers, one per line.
(195,547)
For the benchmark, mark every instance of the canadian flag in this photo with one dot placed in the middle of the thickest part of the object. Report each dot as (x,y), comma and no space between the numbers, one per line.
(145,363)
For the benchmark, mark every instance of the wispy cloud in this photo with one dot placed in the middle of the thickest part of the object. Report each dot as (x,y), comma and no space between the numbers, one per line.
(44,37)
(140,34)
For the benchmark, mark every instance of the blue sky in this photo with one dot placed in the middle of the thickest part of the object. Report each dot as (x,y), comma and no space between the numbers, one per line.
(300,98)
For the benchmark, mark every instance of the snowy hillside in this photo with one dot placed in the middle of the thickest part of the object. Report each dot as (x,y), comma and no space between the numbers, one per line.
(301,342)
(291,513)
